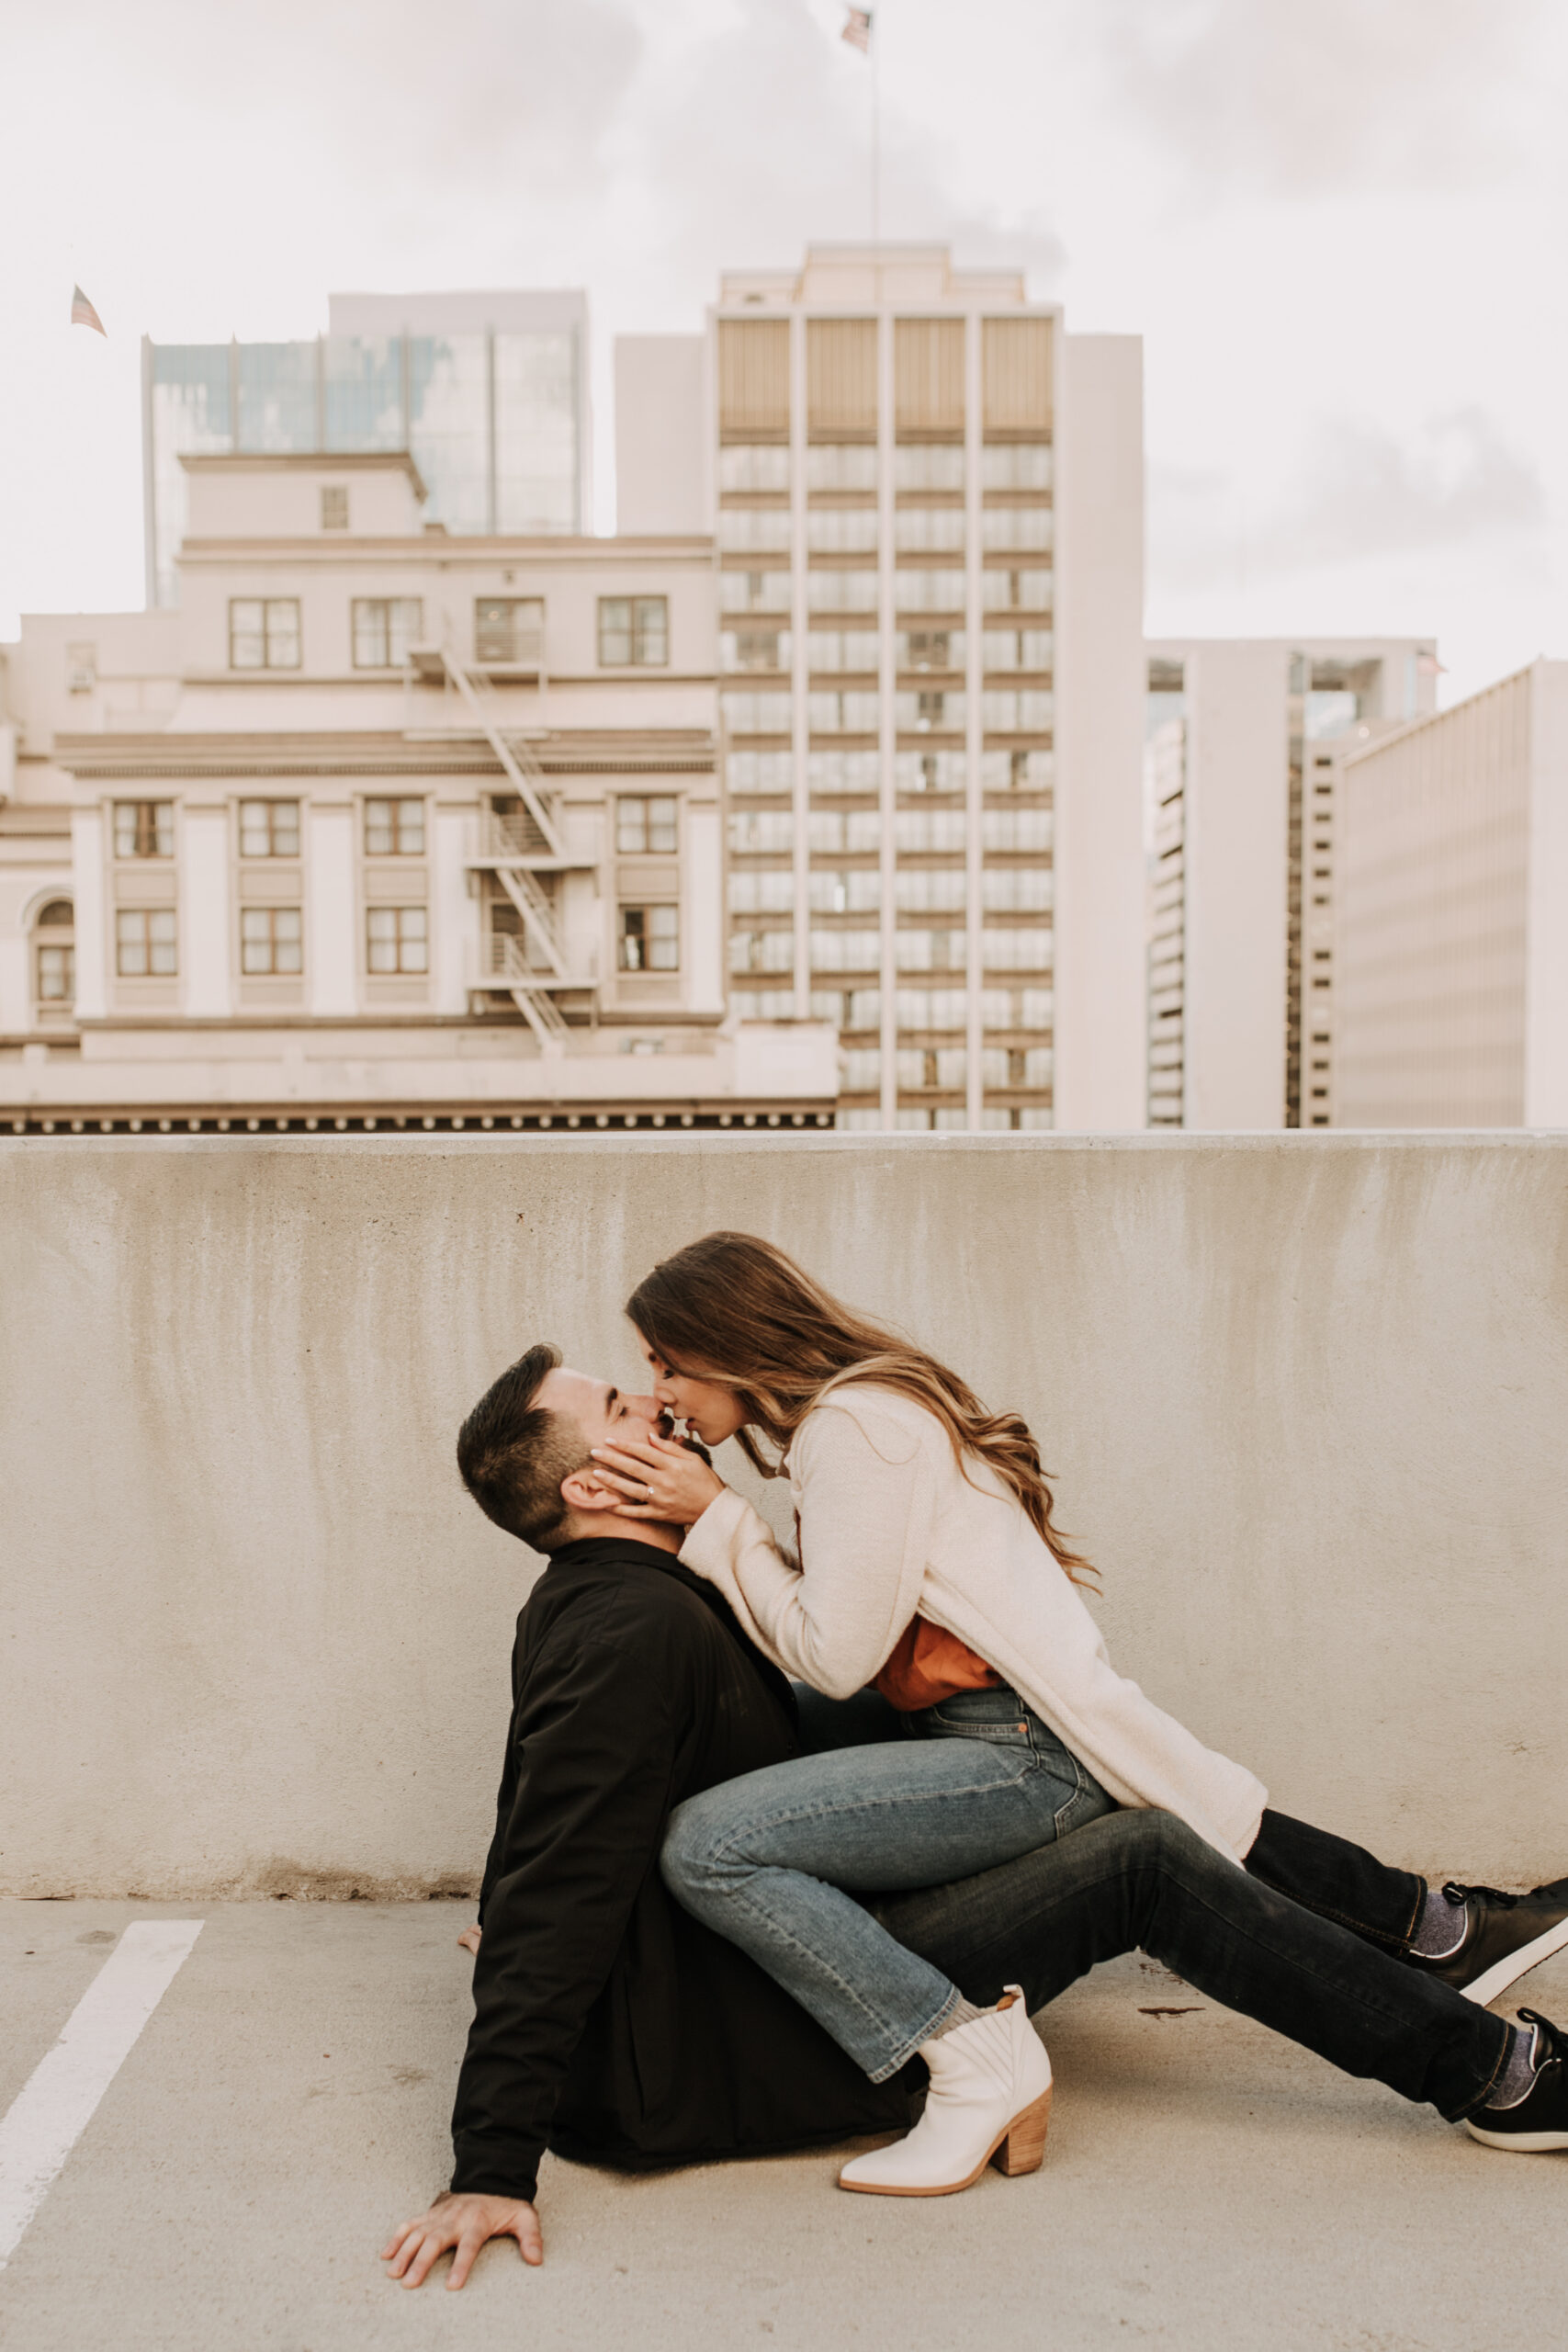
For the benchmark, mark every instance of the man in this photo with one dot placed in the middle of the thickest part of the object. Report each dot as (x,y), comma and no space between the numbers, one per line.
(614,2029)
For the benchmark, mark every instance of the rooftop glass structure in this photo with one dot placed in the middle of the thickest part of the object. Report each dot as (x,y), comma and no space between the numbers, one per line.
(495,422)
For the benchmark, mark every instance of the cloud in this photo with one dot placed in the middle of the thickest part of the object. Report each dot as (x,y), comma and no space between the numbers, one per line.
(1361,493)
(755,141)
(1308,96)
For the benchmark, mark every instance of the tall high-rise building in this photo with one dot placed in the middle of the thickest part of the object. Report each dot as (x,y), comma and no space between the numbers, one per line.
(929,538)
(1244,744)
(488,393)
(1451,922)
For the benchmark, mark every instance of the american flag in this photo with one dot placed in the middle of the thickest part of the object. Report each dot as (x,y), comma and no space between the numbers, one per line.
(83,313)
(857,30)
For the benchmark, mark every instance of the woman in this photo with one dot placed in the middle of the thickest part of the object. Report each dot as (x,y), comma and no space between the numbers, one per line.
(932,1569)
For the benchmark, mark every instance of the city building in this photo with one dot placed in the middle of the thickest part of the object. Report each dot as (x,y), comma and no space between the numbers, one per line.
(488,393)
(382,824)
(927,503)
(1451,915)
(1242,765)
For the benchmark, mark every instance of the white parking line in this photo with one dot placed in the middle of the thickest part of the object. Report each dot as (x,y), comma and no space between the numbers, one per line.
(55,2105)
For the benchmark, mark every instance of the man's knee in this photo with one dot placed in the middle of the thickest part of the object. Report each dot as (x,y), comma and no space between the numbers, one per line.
(1141,1841)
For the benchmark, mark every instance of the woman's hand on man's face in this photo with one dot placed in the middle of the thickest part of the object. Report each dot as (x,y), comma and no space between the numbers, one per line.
(656,1477)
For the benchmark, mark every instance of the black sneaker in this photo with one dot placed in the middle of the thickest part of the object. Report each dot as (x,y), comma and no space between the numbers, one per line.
(1507,1936)
(1540,2122)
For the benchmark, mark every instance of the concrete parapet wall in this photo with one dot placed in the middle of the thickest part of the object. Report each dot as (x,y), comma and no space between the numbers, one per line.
(1305,1400)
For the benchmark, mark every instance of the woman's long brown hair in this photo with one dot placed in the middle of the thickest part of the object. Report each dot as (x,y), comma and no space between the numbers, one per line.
(734,1310)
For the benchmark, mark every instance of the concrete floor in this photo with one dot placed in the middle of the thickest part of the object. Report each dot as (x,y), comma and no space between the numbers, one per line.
(1206,2186)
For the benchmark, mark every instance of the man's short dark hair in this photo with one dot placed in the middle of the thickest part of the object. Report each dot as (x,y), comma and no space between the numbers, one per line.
(513,1454)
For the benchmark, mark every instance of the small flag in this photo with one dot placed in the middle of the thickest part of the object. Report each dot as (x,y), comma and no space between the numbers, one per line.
(1430,667)
(83,313)
(857,30)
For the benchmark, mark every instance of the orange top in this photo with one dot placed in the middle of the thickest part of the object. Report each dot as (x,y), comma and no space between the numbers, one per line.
(927,1665)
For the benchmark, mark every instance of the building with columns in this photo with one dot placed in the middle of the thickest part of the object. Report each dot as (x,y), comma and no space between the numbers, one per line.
(381,825)
(927,504)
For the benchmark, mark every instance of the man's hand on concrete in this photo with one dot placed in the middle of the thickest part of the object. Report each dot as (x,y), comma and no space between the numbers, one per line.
(466,2223)
(470,1939)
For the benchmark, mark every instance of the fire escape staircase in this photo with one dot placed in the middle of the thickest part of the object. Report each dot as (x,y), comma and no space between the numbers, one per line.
(517,846)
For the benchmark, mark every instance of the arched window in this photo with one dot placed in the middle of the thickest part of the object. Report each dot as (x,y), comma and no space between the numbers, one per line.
(55,958)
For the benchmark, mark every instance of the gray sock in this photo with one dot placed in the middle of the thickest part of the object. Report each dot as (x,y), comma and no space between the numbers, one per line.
(964,2014)
(1518,2078)
(1441,1928)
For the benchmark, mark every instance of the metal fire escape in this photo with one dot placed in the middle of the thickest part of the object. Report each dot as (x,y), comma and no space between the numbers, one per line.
(519,845)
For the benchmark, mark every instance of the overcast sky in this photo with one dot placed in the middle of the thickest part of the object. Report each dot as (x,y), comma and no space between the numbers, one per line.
(1337,224)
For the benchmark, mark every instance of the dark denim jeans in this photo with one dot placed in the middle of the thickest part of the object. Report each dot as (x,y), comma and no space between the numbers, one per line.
(1309,1939)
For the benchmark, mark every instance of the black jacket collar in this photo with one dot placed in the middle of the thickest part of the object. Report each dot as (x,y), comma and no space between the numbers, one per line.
(625,1552)
(609,1551)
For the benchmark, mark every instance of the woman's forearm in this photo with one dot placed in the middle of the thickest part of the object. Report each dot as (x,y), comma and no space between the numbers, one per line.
(865,1514)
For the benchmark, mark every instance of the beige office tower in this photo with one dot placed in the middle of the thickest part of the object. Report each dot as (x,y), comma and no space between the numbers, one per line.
(1451,946)
(1245,743)
(929,519)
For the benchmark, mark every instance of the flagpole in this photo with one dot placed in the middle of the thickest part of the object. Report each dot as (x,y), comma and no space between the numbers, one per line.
(876,140)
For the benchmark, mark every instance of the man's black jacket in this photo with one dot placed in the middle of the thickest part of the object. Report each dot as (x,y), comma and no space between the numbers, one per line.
(608,2025)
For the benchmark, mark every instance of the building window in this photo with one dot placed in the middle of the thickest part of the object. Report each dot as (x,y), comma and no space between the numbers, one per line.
(56,973)
(756,713)
(263,632)
(81,667)
(843,649)
(144,943)
(509,631)
(754,466)
(143,828)
(755,592)
(269,828)
(271,940)
(334,506)
(650,939)
(1019,592)
(921,712)
(634,631)
(384,628)
(844,714)
(754,530)
(645,828)
(397,938)
(56,955)
(754,648)
(394,829)
(1017,465)
(931,648)
(769,951)
(1016,526)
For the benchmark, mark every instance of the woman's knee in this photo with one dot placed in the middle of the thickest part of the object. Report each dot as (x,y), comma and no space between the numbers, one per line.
(696,1845)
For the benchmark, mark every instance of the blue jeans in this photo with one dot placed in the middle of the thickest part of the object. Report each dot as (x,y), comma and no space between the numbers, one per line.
(766,1860)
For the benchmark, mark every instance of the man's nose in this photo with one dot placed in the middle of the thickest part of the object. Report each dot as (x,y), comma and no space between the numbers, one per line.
(646,1408)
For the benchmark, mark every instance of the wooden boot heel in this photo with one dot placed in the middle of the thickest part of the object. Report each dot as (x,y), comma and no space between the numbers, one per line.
(1022,2148)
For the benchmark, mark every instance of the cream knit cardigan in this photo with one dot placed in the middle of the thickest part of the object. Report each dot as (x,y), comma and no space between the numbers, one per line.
(890,1526)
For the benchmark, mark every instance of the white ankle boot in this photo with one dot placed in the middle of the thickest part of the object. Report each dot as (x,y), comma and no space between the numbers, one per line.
(989,2102)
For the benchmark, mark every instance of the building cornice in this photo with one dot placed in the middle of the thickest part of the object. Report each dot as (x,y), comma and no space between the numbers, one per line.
(106,758)
(469,553)
(306,462)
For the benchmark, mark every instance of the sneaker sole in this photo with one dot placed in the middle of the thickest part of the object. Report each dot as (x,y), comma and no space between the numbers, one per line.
(1518,2143)
(1507,1971)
